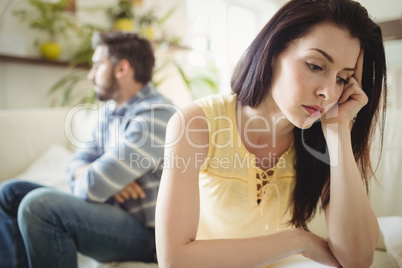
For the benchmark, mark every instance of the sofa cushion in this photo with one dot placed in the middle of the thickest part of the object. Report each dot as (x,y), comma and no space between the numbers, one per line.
(381,260)
(391,228)
(49,168)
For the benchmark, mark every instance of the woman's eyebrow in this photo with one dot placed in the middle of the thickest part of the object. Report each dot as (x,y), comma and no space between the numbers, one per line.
(329,58)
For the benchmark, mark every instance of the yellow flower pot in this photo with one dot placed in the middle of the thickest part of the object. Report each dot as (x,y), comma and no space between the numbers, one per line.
(149,32)
(123,25)
(50,50)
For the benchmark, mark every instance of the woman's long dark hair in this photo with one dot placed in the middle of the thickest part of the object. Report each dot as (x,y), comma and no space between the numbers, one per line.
(251,82)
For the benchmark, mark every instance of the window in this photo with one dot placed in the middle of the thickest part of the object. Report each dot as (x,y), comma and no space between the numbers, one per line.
(221,30)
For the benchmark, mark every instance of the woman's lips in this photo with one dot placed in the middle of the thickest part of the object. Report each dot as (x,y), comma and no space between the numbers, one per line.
(315,111)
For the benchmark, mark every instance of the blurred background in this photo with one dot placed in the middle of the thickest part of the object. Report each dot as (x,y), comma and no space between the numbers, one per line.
(45,47)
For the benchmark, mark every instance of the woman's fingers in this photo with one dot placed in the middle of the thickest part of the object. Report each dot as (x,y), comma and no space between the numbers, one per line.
(353,97)
(359,68)
(353,91)
(353,88)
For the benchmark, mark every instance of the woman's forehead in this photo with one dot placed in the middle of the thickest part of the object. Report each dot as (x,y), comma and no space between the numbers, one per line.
(334,41)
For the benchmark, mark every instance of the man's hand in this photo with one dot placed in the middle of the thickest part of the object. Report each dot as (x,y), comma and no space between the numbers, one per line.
(131,191)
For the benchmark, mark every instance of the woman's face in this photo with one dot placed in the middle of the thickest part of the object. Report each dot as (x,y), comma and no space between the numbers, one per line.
(309,77)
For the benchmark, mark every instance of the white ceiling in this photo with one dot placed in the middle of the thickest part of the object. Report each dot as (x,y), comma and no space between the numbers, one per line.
(379,10)
(383,10)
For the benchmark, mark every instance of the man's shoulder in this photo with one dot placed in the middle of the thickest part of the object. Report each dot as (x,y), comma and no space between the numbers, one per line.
(151,102)
(157,98)
(153,95)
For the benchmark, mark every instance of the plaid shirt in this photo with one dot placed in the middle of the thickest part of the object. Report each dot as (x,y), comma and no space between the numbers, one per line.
(128,145)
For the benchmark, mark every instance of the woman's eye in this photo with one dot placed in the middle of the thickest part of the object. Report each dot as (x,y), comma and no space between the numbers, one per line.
(341,81)
(314,67)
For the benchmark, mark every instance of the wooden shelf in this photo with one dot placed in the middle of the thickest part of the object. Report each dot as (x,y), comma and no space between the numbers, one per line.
(37,61)
(391,30)
(41,61)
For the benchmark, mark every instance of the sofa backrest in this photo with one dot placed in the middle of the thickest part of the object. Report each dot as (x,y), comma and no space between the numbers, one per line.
(26,133)
(386,196)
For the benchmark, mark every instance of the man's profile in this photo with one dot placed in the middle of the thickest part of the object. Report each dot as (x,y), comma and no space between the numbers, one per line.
(110,214)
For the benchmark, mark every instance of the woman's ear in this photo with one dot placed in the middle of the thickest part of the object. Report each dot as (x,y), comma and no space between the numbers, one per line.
(122,68)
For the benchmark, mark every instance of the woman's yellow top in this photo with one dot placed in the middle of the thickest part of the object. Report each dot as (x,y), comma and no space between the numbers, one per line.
(237,198)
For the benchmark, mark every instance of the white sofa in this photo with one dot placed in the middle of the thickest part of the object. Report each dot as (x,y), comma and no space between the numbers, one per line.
(36,143)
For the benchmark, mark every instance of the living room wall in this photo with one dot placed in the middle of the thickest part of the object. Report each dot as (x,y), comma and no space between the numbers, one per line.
(26,85)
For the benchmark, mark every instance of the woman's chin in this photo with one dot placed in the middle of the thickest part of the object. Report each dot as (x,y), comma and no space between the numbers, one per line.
(306,124)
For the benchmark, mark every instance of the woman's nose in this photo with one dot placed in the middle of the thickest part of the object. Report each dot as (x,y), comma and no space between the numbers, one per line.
(326,91)
(323,96)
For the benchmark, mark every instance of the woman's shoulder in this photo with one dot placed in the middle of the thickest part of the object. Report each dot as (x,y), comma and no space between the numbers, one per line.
(217,99)
(189,116)
(205,111)
(218,104)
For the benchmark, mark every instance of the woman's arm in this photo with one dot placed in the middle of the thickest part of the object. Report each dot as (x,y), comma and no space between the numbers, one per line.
(352,226)
(177,212)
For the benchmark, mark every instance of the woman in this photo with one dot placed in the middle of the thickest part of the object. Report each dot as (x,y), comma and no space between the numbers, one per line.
(246,172)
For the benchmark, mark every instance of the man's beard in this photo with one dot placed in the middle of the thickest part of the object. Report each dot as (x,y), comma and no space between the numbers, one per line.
(107,92)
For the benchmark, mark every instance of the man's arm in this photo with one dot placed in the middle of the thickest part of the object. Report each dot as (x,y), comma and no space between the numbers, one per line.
(80,163)
(139,150)
(81,170)
(132,190)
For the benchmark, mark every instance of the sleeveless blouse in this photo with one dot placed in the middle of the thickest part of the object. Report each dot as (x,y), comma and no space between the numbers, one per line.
(237,198)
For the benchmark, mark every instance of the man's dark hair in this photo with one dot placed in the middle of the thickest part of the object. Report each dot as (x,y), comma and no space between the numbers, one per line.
(136,50)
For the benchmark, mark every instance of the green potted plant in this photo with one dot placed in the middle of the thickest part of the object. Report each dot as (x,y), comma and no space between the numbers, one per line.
(50,18)
(122,16)
(68,90)
(147,22)
(64,90)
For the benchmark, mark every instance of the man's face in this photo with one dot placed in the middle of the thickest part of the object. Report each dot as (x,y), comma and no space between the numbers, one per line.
(102,74)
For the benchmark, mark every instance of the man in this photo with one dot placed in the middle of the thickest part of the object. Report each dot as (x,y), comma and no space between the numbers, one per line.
(114,183)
